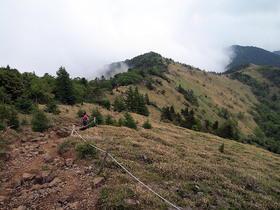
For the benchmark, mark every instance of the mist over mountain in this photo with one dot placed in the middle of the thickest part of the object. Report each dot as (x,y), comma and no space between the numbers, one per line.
(255,55)
(277,52)
(112,69)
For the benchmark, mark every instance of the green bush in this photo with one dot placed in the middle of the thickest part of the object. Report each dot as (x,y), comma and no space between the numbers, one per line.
(52,108)
(39,121)
(129,121)
(2,125)
(86,151)
(9,116)
(97,114)
(109,120)
(105,102)
(66,145)
(81,112)
(147,125)
(121,122)
(222,148)
(24,105)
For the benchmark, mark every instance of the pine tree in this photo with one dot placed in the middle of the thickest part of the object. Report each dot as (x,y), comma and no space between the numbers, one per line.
(119,104)
(129,121)
(109,120)
(39,121)
(147,100)
(98,116)
(64,89)
(130,100)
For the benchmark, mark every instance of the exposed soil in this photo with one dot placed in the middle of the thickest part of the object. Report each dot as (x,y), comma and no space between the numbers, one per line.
(35,176)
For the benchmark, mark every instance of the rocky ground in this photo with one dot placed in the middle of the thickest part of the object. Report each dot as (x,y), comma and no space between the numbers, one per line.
(34,176)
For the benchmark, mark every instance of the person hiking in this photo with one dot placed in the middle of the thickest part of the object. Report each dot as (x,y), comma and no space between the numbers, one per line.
(85,119)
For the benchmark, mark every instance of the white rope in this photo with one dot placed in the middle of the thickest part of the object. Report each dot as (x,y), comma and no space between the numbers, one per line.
(129,172)
(142,182)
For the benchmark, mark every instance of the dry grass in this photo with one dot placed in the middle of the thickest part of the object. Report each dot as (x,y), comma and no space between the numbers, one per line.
(186,167)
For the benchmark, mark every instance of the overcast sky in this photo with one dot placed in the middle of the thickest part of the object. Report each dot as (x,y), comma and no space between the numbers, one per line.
(85,35)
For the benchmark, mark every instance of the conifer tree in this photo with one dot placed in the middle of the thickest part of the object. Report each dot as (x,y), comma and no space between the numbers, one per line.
(147,100)
(64,88)
(98,116)
(129,121)
(119,104)
(39,121)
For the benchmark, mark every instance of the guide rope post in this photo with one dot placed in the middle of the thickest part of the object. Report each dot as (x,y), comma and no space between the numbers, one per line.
(73,129)
(104,160)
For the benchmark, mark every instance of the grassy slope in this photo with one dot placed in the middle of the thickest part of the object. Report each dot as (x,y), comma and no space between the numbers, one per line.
(184,166)
(213,92)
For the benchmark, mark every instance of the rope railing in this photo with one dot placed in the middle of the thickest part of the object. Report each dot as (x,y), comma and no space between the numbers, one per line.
(101,150)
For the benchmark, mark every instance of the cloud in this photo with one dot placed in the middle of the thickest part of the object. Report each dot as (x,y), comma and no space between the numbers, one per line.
(83,36)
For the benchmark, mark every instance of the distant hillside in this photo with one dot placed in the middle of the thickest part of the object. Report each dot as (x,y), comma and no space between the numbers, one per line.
(277,52)
(253,55)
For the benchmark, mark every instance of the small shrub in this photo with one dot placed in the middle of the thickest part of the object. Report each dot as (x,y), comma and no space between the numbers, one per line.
(9,116)
(24,121)
(52,108)
(129,121)
(222,148)
(109,120)
(121,122)
(147,125)
(86,151)
(105,102)
(66,145)
(39,122)
(24,105)
(98,116)
(2,125)
(81,112)
(14,121)
(195,128)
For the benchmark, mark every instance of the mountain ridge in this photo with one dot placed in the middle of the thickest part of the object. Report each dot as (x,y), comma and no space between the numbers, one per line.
(255,55)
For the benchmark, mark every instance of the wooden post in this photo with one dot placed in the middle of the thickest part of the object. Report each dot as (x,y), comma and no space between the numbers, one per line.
(73,128)
(94,119)
(104,160)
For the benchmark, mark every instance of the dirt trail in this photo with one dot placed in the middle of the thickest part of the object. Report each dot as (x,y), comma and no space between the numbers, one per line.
(37,177)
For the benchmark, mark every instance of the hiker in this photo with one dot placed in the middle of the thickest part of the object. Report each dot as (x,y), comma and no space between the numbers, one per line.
(85,119)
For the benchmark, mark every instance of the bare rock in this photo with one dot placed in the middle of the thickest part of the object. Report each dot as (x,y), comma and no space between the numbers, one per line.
(98,181)
(5,156)
(69,162)
(222,204)
(62,133)
(174,189)
(74,205)
(48,159)
(27,176)
(24,139)
(275,190)
(55,182)
(21,208)
(34,140)
(45,177)
(200,193)
(16,183)
(64,200)
(130,202)
(3,199)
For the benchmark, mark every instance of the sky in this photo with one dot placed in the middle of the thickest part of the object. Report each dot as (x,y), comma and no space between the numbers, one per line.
(83,36)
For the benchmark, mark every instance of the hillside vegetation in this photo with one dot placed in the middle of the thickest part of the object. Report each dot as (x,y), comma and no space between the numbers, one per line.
(179,129)
(255,55)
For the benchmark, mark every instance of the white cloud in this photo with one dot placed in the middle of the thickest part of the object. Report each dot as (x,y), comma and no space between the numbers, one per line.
(85,35)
